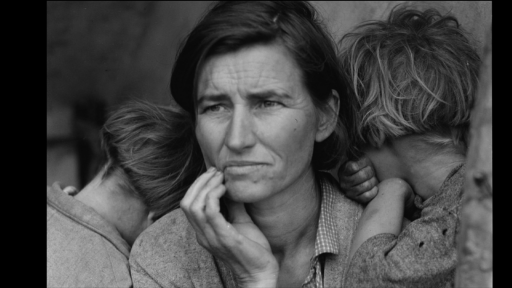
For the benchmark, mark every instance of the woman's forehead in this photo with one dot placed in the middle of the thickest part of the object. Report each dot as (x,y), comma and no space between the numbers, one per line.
(258,67)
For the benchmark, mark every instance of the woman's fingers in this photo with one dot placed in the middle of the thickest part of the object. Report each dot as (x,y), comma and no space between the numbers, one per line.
(212,200)
(227,232)
(241,241)
(241,245)
(205,206)
(197,207)
(196,187)
(212,183)
(212,210)
(193,210)
(237,212)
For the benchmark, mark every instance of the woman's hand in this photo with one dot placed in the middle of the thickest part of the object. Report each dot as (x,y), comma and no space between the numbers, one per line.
(239,244)
(358,180)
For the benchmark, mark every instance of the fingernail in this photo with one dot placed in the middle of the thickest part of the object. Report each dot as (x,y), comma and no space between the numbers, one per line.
(211,169)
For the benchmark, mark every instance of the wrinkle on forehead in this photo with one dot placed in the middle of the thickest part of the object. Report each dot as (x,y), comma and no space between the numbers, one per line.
(250,70)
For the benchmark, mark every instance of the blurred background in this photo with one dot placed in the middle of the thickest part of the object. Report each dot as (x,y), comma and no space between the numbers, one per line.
(100,54)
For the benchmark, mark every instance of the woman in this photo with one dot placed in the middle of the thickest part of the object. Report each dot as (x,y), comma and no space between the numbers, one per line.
(149,167)
(262,82)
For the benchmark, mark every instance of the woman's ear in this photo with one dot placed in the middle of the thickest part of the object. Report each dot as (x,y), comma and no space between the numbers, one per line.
(328,117)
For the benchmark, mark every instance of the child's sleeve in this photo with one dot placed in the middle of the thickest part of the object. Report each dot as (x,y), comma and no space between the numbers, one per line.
(422,255)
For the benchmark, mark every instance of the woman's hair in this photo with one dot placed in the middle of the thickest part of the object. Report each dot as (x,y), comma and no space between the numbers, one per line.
(152,149)
(231,25)
(416,73)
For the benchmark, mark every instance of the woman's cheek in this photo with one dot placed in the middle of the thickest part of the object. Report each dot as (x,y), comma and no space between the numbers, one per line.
(205,145)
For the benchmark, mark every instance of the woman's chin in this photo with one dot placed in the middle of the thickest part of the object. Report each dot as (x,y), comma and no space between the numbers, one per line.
(241,191)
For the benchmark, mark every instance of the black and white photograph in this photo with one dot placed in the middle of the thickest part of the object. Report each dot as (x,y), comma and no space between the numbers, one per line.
(269,144)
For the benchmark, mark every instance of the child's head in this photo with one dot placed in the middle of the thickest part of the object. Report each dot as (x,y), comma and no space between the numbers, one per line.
(150,150)
(415,73)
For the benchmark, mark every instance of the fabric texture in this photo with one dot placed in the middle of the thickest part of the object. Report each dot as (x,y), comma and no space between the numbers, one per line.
(167,253)
(326,236)
(423,254)
(83,250)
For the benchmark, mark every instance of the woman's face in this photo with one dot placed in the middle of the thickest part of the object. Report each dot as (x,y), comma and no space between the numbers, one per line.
(256,121)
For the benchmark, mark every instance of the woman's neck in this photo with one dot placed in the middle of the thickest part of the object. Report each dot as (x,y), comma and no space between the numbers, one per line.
(290,224)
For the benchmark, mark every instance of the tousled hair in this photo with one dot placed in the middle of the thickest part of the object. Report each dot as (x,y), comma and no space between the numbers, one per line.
(151,149)
(415,73)
(232,25)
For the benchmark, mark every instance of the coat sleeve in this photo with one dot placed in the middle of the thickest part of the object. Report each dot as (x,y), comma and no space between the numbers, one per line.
(159,255)
(140,277)
(423,255)
(167,255)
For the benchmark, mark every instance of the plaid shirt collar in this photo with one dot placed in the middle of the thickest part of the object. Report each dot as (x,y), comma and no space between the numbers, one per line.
(326,235)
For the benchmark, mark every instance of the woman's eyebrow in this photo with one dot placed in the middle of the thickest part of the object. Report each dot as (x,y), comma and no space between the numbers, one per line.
(211,97)
(267,95)
(263,95)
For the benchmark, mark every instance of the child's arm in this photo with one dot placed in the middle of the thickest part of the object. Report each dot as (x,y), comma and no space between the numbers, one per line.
(385,213)
(421,255)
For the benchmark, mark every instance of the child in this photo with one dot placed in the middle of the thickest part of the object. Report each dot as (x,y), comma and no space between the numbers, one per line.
(414,79)
(150,165)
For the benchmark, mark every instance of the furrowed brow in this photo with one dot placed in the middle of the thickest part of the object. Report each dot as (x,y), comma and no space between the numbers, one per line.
(264,95)
(211,98)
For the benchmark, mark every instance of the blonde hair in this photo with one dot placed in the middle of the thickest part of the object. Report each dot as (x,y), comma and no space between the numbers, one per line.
(415,73)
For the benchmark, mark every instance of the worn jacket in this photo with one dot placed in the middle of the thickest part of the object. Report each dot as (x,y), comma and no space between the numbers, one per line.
(83,250)
(167,253)
(423,254)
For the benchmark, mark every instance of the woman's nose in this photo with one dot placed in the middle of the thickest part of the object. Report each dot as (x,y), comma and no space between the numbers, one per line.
(240,134)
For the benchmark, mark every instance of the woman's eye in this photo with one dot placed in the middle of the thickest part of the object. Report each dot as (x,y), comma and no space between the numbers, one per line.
(213,108)
(269,104)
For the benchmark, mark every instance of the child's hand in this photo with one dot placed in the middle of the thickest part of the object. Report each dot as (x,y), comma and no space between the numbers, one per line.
(358,180)
(70,190)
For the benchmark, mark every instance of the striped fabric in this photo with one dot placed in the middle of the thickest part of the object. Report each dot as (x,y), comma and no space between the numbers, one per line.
(326,236)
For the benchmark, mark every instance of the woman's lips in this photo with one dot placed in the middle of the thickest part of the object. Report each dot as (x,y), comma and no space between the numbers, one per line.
(242,168)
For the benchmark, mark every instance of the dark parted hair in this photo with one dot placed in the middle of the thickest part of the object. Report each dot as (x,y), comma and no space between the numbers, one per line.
(414,73)
(152,148)
(231,25)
